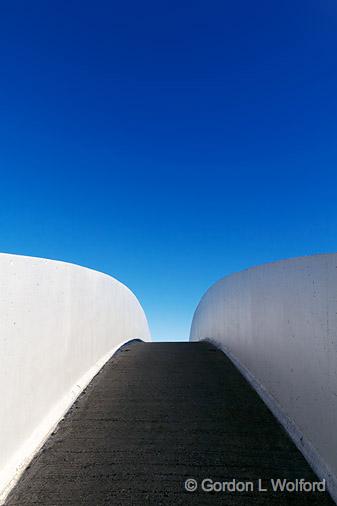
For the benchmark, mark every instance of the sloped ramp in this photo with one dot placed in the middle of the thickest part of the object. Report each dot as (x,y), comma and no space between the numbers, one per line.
(159,414)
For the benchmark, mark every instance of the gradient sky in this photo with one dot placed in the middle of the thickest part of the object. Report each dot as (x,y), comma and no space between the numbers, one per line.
(168,143)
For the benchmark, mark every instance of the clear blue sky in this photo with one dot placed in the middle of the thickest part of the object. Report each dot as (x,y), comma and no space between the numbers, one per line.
(168,143)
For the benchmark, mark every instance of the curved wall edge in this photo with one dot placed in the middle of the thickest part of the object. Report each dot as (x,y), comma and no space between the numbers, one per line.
(82,317)
(278,324)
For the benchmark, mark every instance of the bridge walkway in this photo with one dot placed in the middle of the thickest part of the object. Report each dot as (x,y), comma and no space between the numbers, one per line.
(156,415)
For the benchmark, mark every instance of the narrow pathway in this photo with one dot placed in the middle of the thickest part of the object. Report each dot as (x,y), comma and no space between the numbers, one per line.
(159,414)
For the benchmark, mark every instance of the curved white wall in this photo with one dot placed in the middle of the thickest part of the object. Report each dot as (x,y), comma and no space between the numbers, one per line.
(278,323)
(59,323)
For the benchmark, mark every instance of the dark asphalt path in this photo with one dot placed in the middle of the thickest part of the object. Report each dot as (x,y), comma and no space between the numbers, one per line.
(157,414)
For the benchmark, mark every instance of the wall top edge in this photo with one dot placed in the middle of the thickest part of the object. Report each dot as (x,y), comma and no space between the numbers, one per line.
(53,261)
(62,263)
(254,268)
(281,262)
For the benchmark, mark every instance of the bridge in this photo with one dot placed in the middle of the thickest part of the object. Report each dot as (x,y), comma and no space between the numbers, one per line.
(93,412)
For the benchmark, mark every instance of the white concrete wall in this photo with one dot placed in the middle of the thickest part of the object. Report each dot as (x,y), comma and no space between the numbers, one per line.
(278,323)
(59,323)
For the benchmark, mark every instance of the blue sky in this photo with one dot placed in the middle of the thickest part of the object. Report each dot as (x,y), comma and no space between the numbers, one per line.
(168,143)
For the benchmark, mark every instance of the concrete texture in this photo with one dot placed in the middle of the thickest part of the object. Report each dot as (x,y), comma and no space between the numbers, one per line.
(156,415)
(58,324)
(279,323)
